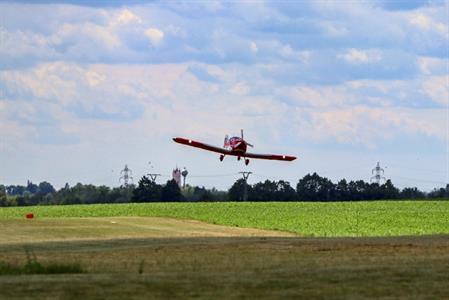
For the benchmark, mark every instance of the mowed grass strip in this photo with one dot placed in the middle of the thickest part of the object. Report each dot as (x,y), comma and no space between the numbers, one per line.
(23,231)
(237,268)
(333,219)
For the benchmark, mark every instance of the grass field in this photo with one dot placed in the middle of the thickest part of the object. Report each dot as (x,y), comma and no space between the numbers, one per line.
(337,219)
(174,251)
(235,268)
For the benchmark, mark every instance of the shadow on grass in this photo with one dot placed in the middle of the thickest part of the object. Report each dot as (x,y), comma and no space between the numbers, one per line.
(32,266)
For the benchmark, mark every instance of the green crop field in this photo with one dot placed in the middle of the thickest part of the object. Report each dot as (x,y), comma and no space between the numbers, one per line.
(336,219)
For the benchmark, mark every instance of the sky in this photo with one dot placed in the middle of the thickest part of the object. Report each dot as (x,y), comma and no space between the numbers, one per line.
(87,87)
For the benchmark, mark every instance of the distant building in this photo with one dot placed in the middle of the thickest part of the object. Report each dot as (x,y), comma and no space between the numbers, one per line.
(176,174)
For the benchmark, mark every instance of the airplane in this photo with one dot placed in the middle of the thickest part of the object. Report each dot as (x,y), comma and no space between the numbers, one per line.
(235,146)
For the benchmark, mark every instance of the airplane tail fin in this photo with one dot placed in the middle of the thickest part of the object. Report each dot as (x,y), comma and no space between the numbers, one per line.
(226,141)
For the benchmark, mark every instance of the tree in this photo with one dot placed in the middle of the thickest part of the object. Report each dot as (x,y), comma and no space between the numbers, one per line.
(45,188)
(388,191)
(236,191)
(357,190)
(315,188)
(120,195)
(439,193)
(15,190)
(342,191)
(31,187)
(201,194)
(285,192)
(171,192)
(147,191)
(264,191)
(272,191)
(3,199)
(411,193)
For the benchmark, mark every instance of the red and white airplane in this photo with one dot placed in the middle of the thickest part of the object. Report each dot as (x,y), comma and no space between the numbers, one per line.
(235,146)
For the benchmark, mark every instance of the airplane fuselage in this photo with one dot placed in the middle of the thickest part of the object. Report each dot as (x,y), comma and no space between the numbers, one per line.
(237,145)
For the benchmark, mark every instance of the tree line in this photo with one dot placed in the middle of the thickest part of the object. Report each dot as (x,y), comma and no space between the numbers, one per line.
(311,187)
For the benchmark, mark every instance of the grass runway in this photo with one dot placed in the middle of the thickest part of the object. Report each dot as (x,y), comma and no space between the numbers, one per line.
(158,257)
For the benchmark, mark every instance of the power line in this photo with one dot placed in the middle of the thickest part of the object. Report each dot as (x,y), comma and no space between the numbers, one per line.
(215,175)
(420,180)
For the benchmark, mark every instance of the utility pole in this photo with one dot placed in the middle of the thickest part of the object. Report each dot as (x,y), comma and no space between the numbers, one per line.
(126,176)
(245,187)
(379,172)
(153,176)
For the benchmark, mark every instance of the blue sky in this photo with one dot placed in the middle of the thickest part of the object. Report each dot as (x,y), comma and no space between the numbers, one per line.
(86,88)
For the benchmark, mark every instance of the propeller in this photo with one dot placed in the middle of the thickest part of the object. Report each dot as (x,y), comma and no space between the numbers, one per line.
(241,133)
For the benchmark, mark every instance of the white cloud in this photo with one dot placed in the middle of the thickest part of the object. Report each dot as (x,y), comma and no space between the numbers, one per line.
(96,34)
(93,78)
(425,22)
(154,35)
(327,96)
(432,65)
(126,16)
(253,47)
(364,125)
(356,56)
(21,43)
(240,88)
(335,29)
(437,87)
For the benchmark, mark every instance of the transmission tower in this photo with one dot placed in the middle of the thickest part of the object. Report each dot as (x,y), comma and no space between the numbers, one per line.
(379,172)
(126,176)
(245,187)
(153,176)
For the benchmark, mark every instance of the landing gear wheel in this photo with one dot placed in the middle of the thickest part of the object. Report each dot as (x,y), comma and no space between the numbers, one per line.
(221,157)
(246,162)
(238,157)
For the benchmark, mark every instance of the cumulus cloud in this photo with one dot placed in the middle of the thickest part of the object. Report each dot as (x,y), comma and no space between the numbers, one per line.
(321,96)
(364,125)
(437,87)
(126,16)
(357,56)
(154,35)
(432,65)
(425,22)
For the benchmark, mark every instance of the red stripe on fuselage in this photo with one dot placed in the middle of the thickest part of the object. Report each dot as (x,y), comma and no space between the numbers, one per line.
(238,146)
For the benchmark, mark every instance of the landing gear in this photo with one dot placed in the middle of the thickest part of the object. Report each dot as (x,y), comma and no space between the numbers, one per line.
(221,157)
(238,157)
(246,162)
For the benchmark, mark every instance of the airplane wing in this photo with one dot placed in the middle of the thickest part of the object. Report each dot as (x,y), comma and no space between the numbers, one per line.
(269,156)
(207,147)
(202,146)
